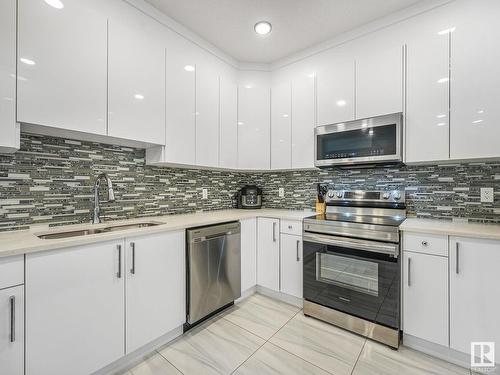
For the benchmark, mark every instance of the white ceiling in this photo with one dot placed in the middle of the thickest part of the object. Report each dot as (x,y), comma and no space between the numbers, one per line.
(297,24)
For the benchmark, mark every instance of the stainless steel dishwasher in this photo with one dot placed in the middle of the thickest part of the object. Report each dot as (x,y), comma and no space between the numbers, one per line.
(213,270)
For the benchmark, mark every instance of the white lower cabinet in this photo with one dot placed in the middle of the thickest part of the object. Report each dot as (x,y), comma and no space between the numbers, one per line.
(155,292)
(248,253)
(75,309)
(12,331)
(291,265)
(425,301)
(268,253)
(474,302)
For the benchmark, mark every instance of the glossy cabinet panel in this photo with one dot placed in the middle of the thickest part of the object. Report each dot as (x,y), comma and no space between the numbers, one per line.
(291,265)
(9,141)
(335,91)
(156,292)
(75,302)
(228,144)
(180,124)
(379,79)
(268,253)
(427,88)
(248,253)
(207,117)
(425,297)
(475,85)
(12,331)
(303,121)
(136,68)
(281,116)
(62,65)
(254,140)
(474,278)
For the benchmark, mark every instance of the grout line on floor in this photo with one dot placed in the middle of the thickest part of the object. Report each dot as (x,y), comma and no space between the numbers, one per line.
(359,355)
(161,355)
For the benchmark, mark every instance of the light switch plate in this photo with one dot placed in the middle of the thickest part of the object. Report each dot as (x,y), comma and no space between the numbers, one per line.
(487,195)
(281,192)
(204,193)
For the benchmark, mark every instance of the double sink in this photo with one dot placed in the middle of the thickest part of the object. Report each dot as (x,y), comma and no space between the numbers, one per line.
(89,231)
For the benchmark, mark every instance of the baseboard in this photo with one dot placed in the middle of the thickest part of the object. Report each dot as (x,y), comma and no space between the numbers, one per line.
(291,300)
(247,293)
(139,355)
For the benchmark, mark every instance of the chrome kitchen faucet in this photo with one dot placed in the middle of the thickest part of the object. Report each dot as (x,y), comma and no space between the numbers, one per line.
(111,195)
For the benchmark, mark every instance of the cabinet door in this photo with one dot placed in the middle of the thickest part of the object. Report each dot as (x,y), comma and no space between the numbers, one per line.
(303,122)
(268,253)
(180,124)
(291,265)
(62,65)
(335,91)
(425,297)
(281,102)
(379,80)
(155,287)
(254,143)
(207,117)
(75,309)
(427,107)
(248,254)
(474,304)
(475,86)
(228,157)
(9,142)
(12,331)
(136,77)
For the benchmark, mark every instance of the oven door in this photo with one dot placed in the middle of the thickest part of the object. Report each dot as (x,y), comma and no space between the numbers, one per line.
(375,140)
(358,277)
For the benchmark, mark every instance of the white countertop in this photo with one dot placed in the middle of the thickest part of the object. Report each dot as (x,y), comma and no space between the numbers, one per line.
(451,228)
(26,241)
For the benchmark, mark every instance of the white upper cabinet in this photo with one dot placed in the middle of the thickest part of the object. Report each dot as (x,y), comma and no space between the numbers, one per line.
(303,122)
(475,85)
(9,142)
(254,127)
(281,115)
(136,68)
(228,144)
(379,78)
(180,124)
(62,55)
(207,117)
(427,90)
(335,90)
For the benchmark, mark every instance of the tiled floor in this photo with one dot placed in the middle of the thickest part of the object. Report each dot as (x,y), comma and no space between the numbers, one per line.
(264,336)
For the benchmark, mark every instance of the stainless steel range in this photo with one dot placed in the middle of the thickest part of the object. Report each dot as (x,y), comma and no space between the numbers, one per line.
(351,263)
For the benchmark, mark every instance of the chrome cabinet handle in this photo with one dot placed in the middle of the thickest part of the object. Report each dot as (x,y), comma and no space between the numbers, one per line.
(424,243)
(289,227)
(132,270)
(119,273)
(298,244)
(274,232)
(12,300)
(457,253)
(409,271)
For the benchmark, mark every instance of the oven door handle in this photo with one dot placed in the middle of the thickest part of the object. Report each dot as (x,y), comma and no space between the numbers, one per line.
(372,246)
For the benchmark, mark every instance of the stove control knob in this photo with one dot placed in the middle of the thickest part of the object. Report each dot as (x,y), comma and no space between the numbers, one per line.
(339,194)
(386,195)
(397,196)
(331,193)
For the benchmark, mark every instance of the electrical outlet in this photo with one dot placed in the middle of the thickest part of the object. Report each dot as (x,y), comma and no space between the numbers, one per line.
(486,195)
(204,193)
(281,192)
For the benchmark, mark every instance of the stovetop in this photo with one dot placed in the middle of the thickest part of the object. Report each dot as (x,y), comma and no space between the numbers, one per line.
(386,220)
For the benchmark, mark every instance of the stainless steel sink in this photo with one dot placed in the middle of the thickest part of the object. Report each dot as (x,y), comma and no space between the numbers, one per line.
(86,232)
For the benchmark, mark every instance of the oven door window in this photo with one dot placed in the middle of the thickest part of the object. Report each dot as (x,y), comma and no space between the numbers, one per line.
(354,274)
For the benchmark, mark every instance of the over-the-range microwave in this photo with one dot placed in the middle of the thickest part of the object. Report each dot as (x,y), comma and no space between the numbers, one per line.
(377,140)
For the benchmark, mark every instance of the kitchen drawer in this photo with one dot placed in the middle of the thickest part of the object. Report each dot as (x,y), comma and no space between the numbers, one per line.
(426,243)
(291,227)
(11,271)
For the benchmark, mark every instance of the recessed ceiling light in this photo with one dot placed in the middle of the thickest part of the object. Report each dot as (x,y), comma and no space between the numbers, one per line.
(139,96)
(27,61)
(262,27)
(341,103)
(55,3)
(443,80)
(189,68)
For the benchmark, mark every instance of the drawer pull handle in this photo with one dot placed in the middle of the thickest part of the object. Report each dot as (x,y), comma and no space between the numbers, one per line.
(424,243)
(289,227)
(409,271)
(274,232)
(12,300)
(119,273)
(298,245)
(457,269)
(132,270)
(343,299)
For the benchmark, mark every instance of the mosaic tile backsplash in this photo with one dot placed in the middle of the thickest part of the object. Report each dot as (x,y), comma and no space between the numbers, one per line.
(50,181)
